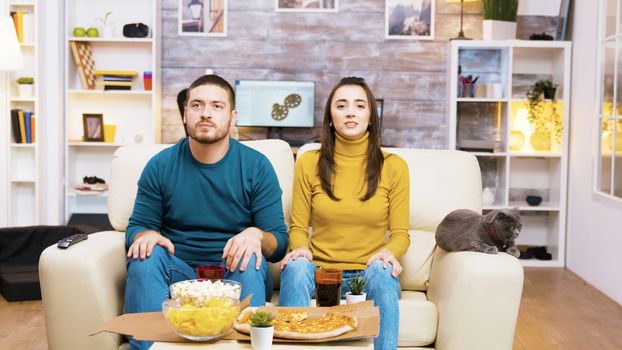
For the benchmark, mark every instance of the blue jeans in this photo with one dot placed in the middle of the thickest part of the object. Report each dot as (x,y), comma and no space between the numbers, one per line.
(148,281)
(298,287)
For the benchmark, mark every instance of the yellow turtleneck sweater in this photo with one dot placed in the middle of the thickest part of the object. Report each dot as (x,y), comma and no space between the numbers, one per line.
(348,232)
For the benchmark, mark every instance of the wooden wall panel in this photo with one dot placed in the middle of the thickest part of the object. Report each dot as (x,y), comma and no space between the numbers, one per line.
(323,47)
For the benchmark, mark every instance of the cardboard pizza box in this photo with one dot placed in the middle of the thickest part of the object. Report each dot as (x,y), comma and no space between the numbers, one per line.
(153,327)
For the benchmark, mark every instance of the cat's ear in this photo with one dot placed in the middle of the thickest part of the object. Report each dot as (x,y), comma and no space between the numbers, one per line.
(516,210)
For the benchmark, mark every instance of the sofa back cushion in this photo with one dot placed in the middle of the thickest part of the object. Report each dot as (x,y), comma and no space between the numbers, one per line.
(128,163)
(440,182)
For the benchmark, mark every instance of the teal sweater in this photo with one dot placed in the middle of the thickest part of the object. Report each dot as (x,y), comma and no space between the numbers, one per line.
(200,206)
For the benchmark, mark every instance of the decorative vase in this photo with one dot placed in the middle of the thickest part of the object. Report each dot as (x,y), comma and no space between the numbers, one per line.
(488,196)
(108,31)
(25,90)
(261,338)
(540,141)
(355,298)
(499,30)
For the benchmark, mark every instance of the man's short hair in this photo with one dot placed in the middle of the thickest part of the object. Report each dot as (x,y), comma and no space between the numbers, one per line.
(213,79)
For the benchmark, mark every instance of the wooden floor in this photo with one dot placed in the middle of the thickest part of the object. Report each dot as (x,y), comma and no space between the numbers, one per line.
(558,311)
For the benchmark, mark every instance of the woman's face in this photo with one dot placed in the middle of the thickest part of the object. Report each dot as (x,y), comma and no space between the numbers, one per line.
(350,111)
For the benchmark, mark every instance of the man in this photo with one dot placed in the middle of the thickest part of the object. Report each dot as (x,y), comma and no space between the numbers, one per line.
(206,200)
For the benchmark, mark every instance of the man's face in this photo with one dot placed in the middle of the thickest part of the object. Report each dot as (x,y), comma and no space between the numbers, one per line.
(208,114)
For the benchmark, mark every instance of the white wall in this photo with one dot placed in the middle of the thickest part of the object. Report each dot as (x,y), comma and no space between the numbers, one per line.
(51,99)
(594,230)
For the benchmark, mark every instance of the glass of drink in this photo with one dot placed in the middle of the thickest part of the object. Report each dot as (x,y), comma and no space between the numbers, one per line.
(210,272)
(327,286)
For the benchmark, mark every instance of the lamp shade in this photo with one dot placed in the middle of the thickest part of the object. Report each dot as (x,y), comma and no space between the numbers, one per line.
(11,58)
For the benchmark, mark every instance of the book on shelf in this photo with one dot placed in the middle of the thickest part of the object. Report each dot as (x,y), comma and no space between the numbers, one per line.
(117,78)
(28,28)
(128,73)
(27,126)
(117,87)
(23,126)
(15,125)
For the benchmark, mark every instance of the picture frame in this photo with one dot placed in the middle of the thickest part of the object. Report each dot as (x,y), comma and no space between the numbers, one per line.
(93,125)
(409,19)
(203,18)
(564,9)
(306,5)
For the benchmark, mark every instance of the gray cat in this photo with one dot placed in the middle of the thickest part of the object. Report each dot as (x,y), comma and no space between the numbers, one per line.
(465,229)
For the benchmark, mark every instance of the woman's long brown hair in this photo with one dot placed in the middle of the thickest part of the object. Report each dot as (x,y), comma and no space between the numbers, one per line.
(374,158)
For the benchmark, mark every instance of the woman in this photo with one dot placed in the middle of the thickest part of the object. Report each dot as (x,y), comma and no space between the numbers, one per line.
(349,192)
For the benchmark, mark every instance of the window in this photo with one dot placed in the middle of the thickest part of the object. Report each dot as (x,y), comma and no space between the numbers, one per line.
(608,179)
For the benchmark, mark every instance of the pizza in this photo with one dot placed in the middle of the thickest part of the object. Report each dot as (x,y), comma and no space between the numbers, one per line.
(294,324)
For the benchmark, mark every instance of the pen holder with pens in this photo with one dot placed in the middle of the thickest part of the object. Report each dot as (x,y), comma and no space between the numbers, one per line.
(466,85)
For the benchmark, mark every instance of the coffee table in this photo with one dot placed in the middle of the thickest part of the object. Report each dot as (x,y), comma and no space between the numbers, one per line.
(366,343)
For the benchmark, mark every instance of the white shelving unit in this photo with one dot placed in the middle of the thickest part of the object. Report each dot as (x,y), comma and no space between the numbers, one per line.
(135,113)
(23,187)
(497,114)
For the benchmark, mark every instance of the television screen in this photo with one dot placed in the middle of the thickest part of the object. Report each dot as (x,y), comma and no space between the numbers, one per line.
(275,103)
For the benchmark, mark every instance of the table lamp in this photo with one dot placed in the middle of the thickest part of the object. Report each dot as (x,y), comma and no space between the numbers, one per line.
(11,58)
(461,33)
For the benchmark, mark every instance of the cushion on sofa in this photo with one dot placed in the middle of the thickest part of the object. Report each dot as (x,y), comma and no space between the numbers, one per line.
(421,316)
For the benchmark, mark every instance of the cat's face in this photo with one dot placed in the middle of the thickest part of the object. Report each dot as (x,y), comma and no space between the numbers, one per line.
(507,224)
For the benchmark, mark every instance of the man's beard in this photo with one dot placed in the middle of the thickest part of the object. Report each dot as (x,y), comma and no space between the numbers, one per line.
(207,138)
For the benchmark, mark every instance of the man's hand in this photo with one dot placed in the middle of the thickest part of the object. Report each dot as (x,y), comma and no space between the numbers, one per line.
(386,256)
(241,247)
(296,253)
(144,243)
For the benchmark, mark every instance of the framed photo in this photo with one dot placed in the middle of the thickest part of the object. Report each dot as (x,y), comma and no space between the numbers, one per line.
(93,127)
(306,5)
(564,8)
(409,19)
(203,17)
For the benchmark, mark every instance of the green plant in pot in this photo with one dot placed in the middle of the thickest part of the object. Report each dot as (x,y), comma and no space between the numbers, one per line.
(262,330)
(356,287)
(25,86)
(499,19)
(545,120)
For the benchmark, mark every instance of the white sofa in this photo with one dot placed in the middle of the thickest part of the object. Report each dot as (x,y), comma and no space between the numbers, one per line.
(460,300)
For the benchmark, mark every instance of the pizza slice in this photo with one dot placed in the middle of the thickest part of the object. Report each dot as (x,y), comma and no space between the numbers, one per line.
(293,324)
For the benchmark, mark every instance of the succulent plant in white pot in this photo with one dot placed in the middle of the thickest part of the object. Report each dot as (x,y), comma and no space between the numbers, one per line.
(262,330)
(356,289)
(25,86)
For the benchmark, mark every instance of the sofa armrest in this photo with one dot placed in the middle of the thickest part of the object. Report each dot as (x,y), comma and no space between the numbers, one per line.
(82,287)
(477,296)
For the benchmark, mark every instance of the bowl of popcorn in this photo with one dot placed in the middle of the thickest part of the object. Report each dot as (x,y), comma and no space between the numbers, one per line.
(202,310)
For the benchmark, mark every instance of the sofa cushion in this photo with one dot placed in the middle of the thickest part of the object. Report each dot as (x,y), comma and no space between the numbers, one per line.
(417,261)
(418,320)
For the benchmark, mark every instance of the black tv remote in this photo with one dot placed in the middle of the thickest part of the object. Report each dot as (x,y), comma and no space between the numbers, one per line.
(71,240)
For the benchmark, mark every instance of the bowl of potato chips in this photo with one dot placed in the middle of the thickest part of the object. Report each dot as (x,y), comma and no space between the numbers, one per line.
(202,310)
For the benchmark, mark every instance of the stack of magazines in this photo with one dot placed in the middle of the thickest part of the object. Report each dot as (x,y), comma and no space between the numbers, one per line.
(116,79)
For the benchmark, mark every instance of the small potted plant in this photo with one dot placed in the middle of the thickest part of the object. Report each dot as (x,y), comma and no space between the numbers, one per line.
(262,330)
(107,27)
(544,120)
(356,289)
(25,86)
(499,19)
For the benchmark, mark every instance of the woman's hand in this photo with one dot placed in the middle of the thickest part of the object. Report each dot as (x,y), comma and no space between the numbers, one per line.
(296,253)
(386,256)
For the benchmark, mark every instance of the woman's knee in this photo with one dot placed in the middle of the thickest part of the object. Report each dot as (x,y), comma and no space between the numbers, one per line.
(300,268)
